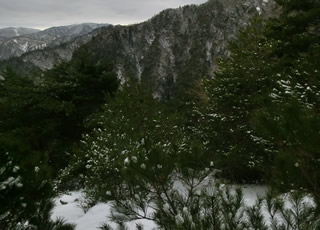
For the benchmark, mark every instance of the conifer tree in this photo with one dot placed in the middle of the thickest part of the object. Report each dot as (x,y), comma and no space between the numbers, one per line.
(291,117)
(234,94)
(39,121)
(263,105)
(24,171)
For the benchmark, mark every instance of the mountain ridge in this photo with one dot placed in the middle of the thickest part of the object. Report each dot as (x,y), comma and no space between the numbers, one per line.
(10,32)
(177,46)
(174,48)
(15,46)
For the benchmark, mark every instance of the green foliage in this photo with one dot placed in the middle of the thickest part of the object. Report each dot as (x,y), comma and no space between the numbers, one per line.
(198,201)
(154,169)
(261,121)
(39,121)
(262,114)
(132,130)
(257,120)
(234,94)
(42,218)
(24,171)
(290,118)
(298,4)
(74,91)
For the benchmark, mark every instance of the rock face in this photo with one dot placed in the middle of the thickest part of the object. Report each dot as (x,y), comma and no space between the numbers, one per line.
(170,50)
(178,46)
(16,41)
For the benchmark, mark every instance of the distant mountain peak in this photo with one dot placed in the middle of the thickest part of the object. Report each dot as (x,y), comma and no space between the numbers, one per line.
(10,32)
(16,41)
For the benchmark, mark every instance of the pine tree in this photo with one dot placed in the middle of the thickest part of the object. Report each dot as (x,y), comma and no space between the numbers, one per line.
(291,117)
(263,105)
(234,94)
(24,170)
(40,120)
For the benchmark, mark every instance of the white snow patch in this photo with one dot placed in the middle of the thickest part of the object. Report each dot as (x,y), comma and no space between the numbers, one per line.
(41,46)
(208,48)
(71,211)
(139,69)
(251,192)
(24,46)
(16,31)
(93,218)
(156,95)
(120,76)
(100,213)
(259,10)
(150,38)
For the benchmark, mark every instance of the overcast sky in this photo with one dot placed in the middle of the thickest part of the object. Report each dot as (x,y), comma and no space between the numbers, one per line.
(46,13)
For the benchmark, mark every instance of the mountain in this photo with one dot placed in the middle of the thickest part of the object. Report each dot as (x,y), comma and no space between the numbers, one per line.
(17,41)
(165,53)
(177,47)
(10,32)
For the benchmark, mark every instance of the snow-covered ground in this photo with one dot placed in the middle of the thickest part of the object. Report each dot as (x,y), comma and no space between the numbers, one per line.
(100,213)
(93,218)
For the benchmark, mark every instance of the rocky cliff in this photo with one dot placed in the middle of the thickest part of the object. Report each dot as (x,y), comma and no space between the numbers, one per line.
(177,46)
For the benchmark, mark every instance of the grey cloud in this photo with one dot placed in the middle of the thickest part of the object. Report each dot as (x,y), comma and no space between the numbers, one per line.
(46,13)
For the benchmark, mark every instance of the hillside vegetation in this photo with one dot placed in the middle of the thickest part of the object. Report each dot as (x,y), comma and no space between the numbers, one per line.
(255,119)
